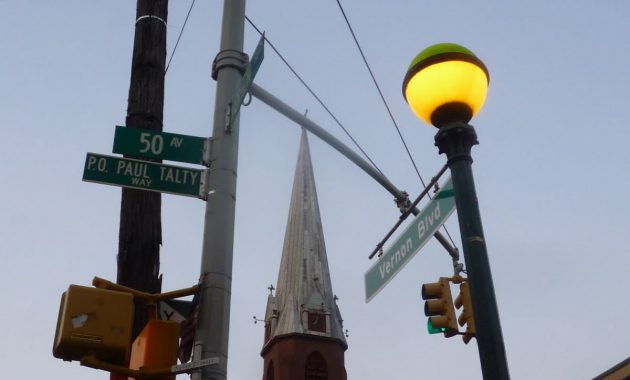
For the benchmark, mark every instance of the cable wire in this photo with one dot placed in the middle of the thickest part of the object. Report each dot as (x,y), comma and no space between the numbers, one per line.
(391,116)
(179,37)
(378,88)
(312,93)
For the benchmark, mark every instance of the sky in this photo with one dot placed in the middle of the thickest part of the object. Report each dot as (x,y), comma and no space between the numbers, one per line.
(551,172)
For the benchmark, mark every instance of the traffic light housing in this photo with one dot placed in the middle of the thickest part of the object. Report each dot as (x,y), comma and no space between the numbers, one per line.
(439,307)
(94,322)
(466,317)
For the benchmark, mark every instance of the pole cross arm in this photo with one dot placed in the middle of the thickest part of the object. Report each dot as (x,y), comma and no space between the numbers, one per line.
(401,197)
(98,282)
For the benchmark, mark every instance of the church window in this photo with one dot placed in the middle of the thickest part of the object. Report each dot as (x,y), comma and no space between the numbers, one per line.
(316,368)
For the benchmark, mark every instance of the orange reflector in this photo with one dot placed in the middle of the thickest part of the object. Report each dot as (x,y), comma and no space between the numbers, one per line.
(156,346)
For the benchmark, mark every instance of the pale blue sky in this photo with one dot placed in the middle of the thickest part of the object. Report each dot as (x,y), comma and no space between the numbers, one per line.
(551,173)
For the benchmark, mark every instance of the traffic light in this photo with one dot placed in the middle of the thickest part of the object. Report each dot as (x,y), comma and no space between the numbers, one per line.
(439,308)
(466,317)
(94,322)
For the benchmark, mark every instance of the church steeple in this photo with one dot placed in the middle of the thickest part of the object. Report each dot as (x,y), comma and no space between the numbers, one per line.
(304,336)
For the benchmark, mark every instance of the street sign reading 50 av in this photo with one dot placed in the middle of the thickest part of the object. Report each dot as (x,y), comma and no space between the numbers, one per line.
(159,145)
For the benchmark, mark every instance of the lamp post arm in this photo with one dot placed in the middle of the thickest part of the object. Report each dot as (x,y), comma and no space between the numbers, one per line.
(318,131)
(401,197)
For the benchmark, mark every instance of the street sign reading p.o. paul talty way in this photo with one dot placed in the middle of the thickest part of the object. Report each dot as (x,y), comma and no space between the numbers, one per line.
(143,175)
(410,241)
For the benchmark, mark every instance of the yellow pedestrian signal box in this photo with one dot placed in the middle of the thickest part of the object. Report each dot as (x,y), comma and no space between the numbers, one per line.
(439,307)
(95,322)
(466,317)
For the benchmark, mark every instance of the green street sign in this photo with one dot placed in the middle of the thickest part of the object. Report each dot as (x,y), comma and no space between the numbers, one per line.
(143,175)
(248,76)
(158,145)
(252,67)
(410,241)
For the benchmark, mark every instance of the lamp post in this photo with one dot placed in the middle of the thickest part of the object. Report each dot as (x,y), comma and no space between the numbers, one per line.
(446,85)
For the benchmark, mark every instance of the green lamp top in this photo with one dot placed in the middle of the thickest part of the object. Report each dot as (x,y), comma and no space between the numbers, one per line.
(443,48)
(446,51)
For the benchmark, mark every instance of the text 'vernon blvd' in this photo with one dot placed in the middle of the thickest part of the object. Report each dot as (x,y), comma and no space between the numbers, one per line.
(410,241)
(142,175)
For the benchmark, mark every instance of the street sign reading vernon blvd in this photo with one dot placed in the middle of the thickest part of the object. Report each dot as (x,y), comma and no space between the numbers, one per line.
(410,241)
(142,175)
(160,145)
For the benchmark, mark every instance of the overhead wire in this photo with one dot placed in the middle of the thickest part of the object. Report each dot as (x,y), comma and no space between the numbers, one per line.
(391,116)
(179,37)
(378,88)
(310,90)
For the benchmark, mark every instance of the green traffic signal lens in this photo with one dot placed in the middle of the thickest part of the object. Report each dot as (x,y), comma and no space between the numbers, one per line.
(434,330)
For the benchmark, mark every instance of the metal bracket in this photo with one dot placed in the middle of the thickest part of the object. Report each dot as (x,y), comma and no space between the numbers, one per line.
(150,374)
(204,184)
(207,152)
(188,367)
(196,355)
(256,320)
(457,268)
(229,58)
(403,202)
(228,118)
(151,298)
(151,17)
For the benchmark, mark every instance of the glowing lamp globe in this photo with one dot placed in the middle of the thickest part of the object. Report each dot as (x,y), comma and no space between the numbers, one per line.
(446,83)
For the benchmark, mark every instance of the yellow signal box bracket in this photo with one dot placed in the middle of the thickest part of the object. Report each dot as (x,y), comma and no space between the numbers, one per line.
(94,326)
(150,298)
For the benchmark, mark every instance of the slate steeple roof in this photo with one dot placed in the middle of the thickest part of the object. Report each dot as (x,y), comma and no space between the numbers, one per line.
(304,284)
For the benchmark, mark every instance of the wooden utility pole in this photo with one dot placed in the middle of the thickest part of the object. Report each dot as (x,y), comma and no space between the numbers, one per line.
(140,233)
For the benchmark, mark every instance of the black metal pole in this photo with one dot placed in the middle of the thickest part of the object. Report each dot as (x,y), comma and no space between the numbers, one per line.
(456,140)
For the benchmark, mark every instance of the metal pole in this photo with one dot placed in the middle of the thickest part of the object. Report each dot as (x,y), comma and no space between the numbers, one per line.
(212,334)
(400,197)
(456,141)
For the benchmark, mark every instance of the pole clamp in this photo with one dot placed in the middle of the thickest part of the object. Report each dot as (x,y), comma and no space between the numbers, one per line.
(402,201)
(229,58)
(145,17)
(208,157)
